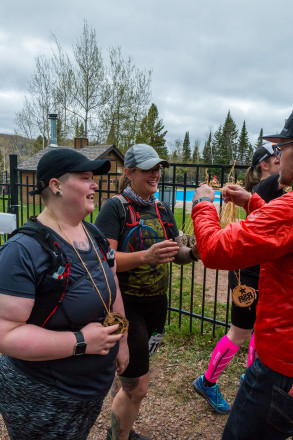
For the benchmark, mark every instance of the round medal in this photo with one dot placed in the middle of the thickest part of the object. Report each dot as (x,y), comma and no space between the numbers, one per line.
(244,296)
(116,318)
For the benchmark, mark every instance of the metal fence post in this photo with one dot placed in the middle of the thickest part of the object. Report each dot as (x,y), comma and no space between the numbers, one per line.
(13,202)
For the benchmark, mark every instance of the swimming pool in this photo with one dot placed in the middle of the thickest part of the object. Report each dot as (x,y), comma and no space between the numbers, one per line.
(180,195)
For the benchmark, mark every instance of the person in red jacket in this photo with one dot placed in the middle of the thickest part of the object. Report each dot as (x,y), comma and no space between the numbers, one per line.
(263,408)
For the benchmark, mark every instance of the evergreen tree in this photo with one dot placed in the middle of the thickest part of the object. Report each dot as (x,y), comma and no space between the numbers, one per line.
(196,153)
(186,148)
(228,151)
(152,132)
(39,144)
(61,134)
(217,154)
(111,139)
(245,149)
(207,151)
(260,142)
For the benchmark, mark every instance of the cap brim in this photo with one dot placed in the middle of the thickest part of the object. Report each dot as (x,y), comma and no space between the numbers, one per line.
(98,167)
(150,163)
(34,192)
(276,138)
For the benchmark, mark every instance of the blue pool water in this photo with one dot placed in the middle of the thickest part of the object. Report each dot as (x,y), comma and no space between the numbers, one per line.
(189,195)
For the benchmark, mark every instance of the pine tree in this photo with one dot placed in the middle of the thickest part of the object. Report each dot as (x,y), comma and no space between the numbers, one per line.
(245,149)
(217,153)
(207,151)
(39,144)
(196,153)
(260,142)
(151,132)
(186,148)
(111,139)
(228,151)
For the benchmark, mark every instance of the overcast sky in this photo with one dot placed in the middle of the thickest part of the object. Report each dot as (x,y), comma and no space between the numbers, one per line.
(207,56)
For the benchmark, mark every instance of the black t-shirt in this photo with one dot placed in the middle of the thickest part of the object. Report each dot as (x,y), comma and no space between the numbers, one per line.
(268,189)
(116,223)
(23,262)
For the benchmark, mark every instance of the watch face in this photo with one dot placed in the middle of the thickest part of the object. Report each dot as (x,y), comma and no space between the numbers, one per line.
(80,348)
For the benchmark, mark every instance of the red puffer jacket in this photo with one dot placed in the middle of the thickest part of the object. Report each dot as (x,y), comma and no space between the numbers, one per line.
(266,238)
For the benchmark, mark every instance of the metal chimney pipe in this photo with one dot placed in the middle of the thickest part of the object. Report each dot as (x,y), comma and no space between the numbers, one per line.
(53,118)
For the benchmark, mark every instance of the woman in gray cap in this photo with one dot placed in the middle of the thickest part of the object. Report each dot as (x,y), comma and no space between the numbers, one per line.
(56,287)
(143,231)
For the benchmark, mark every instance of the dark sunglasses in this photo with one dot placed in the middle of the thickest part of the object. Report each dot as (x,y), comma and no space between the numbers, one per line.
(278,150)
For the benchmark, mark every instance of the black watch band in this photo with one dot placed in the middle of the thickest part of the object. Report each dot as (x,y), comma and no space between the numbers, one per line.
(80,346)
(202,199)
(191,256)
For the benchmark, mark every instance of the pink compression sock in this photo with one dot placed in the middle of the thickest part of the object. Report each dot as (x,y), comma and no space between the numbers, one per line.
(251,351)
(224,351)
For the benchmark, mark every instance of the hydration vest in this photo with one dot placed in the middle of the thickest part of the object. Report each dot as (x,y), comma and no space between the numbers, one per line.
(134,222)
(55,281)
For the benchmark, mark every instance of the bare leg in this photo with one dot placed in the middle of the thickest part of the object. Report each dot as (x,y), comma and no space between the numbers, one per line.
(126,404)
(238,335)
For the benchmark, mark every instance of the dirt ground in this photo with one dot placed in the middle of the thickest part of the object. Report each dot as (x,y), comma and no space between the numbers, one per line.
(172,410)
(211,282)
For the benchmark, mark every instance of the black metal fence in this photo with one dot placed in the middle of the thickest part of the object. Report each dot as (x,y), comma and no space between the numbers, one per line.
(195,302)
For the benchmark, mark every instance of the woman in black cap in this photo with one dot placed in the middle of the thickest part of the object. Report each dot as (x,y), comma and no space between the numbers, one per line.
(57,287)
(262,177)
(142,230)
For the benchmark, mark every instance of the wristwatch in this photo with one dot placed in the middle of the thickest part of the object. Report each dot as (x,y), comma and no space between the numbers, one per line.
(80,346)
(201,200)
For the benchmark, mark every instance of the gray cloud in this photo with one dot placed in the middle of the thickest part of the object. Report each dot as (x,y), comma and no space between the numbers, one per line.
(207,56)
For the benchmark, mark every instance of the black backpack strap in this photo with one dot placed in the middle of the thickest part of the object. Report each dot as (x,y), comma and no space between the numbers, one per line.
(39,232)
(102,242)
(54,283)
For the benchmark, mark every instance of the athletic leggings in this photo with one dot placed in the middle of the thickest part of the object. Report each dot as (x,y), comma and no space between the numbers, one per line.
(35,411)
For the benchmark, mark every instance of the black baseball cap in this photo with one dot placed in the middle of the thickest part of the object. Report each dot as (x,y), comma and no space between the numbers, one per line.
(262,153)
(286,133)
(59,161)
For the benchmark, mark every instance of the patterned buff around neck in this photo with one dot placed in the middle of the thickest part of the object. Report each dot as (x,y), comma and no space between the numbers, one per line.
(133,197)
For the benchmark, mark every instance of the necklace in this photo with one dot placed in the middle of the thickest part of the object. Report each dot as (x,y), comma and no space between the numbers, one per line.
(243,296)
(111,318)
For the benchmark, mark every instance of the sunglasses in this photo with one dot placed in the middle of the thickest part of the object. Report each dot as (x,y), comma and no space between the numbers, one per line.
(278,150)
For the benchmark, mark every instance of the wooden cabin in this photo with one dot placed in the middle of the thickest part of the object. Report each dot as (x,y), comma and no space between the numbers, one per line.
(27,169)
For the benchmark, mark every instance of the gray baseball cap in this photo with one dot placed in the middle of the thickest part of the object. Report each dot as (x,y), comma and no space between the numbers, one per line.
(143,156)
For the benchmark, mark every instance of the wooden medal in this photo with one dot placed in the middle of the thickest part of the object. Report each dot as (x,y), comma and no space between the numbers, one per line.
(117,318)
(244,296)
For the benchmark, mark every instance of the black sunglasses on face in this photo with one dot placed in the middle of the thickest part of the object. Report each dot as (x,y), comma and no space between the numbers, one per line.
(278,150)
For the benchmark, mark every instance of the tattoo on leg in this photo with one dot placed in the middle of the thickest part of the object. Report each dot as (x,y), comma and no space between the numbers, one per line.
(129,384)
(115,387)
(115,425)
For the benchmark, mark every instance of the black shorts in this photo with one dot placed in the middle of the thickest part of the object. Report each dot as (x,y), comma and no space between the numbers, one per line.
(145,315)
(243,317)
